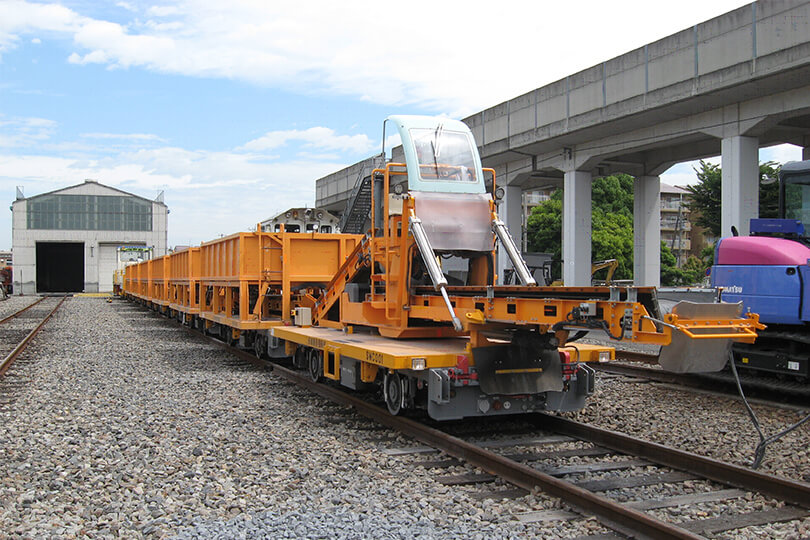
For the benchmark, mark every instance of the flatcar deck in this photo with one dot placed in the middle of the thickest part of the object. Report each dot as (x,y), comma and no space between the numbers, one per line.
(393,354)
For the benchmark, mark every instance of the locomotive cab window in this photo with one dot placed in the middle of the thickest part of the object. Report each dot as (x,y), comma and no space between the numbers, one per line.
(444,155)
(797,199)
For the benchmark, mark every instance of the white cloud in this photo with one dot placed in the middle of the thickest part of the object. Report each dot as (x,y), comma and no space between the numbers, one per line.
(18,17)
(123,136)
(683,174)
(781,153)
(208,192)
(391,142)
(316,137)
(21,132)
(438,55)
(163,11)
(127,6)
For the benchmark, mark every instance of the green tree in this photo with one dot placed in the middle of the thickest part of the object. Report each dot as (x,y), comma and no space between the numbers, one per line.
(611,233)
(613,194)
(544,229)
(612,238)
(694,270)
(670,273)
(769,189)
(704,196)
(707,255)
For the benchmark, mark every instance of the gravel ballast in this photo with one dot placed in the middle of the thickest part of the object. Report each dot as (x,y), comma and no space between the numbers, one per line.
(13,304)
(130,427)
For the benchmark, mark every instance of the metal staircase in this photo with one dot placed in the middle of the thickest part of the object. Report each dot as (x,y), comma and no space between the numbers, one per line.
(358,208)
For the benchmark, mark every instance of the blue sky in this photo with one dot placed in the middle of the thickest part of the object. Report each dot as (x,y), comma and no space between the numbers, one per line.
(233,109)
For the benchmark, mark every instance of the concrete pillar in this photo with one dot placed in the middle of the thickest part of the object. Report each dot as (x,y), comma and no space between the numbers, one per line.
(510,211)
(647,231)
(576,226)
(740,189)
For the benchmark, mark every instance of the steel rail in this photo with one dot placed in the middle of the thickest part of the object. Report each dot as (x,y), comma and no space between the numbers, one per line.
(616,516)
(12,356)
(612,514)
(633,356)
(658,375)
(791,491)
(23,310)
(721,383)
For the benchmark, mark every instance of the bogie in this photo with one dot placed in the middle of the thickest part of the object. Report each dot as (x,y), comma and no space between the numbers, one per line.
(315,364)
(394,392)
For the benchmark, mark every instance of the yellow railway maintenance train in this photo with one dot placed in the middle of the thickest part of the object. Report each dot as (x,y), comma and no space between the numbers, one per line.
(380,310)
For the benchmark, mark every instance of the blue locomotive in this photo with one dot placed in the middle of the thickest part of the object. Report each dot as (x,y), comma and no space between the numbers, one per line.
(769,272)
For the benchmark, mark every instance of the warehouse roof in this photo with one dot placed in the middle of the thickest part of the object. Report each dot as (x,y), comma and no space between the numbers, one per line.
(66,190)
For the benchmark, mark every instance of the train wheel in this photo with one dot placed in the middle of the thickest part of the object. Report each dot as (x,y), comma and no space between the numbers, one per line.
(315,365)
(394,394)
(260,345)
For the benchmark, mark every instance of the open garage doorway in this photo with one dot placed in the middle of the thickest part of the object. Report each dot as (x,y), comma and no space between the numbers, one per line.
(60,267)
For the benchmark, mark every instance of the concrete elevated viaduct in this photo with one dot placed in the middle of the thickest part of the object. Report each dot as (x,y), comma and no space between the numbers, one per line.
(727,86)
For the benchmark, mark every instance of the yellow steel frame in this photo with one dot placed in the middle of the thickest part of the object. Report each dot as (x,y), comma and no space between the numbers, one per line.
(183,281)
(392,309)
(545,312)
(374,350)
(246,281)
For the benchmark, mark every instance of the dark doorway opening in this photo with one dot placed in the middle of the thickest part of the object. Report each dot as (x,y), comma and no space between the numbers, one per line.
(60,267)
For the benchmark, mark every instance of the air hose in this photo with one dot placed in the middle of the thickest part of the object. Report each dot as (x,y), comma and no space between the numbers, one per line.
(759,451)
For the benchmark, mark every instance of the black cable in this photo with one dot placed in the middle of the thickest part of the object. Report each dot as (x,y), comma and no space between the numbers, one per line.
(606,328)
(759,451)
(572,319)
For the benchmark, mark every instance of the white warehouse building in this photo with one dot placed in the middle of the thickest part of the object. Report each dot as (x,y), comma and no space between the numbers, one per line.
(67,240)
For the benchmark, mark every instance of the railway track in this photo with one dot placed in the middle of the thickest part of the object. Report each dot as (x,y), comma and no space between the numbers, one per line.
(528,464)
(765,389)
(18,329)
(574,462)
(660,492)
(21,311)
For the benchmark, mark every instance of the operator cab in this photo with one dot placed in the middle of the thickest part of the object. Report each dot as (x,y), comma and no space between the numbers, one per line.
(794,192)
(794,206)
(444,180)
(440,155)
